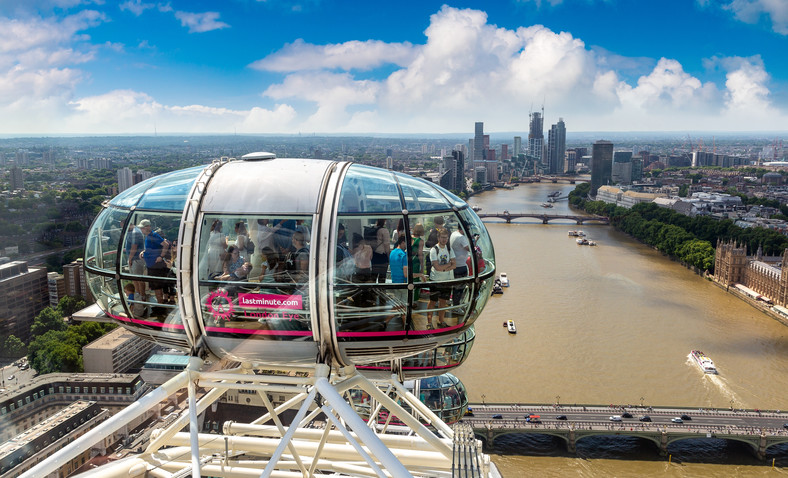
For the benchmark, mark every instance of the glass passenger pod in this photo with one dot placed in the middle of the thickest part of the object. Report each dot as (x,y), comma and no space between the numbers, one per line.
(446,357)
(378,300)
(256,250)
(445,395)
(139,297)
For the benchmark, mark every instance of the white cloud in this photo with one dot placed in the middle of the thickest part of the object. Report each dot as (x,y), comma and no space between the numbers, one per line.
(300,56)
(751,11)
(466,70)
(469,69)
(132,111)
(200,22)
(137,7)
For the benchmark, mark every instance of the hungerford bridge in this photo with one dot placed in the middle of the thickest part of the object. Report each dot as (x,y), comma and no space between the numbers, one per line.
(545,218)
(759,429)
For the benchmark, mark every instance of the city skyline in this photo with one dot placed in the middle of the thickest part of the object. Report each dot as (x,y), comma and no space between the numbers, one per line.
(85,67)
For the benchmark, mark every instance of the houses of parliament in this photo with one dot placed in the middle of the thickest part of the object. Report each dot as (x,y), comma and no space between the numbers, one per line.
(766,276)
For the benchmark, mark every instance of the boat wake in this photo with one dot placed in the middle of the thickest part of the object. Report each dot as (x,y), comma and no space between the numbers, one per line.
(717,381)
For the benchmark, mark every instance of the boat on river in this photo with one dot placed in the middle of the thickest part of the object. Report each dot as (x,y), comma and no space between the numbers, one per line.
(504,279)
(582,241)
(704,362)
(476,208)
(546,204)
(510,327)
(497,289)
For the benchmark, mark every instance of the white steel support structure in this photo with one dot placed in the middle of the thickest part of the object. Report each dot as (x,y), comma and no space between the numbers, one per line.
(345,445)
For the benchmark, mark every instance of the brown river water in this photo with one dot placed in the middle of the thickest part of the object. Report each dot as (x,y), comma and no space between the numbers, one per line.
(614,324)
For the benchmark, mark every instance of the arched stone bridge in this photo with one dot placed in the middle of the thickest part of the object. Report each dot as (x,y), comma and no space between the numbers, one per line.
(758,429)
(546,218)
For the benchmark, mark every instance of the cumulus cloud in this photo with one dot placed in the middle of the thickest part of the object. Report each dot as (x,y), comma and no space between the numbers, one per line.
(137,7)
(362,55)
(751,11)
(200,22)
(133,111)
(469,68)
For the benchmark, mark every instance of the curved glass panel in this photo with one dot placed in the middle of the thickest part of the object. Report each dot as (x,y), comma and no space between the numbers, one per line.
(170,192)
(421,195)
(483,293)
(253,273)
(366,189)
(131,196)
(101,249)
(482,247)
(453,198)
(431,362)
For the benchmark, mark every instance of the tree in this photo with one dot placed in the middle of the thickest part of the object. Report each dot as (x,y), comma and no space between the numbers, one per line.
(69,304)
(56,351)
(13,347)
(48,320)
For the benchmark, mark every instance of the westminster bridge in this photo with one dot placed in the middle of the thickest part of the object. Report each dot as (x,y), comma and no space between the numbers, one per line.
(545,218)
(757,428)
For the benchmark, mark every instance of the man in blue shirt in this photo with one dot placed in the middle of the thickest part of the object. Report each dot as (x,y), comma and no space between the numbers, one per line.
(398,260)
(156,249)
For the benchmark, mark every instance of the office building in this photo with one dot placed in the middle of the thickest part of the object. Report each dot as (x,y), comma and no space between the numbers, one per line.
(518,145)
(536,136)
(24,293)
(459,170)
(76,285)
(601,165)
(57,288)
(17,178)
(118,351)
(478,142)
(504,152)
(125,179)
(622,167)
(556,147)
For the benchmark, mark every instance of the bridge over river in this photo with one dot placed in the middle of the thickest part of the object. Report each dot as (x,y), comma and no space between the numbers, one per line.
(759,429)
(546,218)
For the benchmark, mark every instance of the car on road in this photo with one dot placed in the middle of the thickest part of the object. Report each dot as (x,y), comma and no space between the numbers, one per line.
(11,377)
(498,416)
(785,425)
(626,415)
(645,418)
(615,418)
(561,417)
(686,417)
(677,420)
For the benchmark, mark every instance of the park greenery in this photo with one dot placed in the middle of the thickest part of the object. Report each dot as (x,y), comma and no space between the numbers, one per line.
(690,240)
(55,345)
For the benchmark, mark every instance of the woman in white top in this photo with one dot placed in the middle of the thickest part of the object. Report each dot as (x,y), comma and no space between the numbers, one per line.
(217,244)
(241,237)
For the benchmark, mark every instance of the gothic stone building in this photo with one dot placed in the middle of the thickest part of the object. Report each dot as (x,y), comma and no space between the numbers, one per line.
(765,275)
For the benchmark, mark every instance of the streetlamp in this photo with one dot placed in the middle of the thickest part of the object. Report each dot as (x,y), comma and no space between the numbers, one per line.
(731,404)
(641,401)
(558,400)
(483,397)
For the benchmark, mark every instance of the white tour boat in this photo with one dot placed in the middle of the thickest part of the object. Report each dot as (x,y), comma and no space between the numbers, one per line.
(704,362)
(510,327)
(504,279)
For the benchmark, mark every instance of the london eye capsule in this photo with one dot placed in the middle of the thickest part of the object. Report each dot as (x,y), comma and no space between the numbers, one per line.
(286,261)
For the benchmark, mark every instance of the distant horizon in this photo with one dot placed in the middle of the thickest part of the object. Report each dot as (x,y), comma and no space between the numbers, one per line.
(523,134)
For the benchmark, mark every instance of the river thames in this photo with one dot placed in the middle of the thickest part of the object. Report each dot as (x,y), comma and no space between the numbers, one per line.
(614,324)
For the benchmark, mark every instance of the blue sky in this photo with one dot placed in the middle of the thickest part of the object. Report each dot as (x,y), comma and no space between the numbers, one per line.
(328,66)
